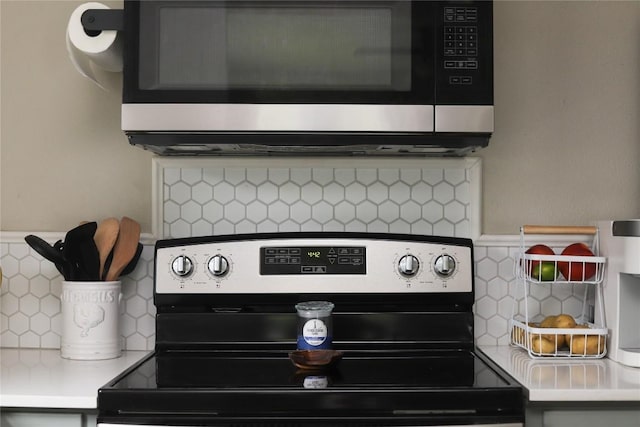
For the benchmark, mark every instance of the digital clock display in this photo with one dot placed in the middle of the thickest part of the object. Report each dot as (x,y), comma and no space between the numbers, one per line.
(313,260)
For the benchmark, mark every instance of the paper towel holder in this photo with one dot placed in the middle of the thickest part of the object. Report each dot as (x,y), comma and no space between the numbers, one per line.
(96,20)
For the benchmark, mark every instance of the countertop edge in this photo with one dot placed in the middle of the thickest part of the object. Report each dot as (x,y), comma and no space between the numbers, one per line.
(48,402)
(515,362)
(40,378)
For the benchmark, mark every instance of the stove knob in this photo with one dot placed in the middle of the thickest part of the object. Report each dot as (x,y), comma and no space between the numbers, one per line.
(408,265)
(444,265)
(218,265)
(182,266)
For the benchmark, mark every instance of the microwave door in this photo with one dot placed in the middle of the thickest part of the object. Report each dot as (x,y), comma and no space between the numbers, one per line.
(295,52)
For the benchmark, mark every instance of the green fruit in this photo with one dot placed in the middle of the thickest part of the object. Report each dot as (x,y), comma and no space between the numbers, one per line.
(545,271)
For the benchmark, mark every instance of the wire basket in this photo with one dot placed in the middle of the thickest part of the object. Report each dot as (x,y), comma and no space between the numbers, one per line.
(587,341)
(544,337)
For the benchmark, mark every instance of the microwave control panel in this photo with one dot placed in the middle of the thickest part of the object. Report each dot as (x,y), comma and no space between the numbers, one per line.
(461,41)
(465,52)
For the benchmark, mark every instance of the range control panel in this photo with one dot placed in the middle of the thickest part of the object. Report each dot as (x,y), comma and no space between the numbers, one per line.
(313,265)
(313,260)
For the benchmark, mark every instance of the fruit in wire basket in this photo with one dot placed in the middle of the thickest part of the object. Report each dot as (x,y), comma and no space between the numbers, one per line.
(550,322)
(545,271)
(577,271)
(542,346)
(518,333)
(583,344)
(531,265)
(564,321)
(568,336)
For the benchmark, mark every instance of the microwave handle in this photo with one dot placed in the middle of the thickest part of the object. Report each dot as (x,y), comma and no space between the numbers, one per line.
(96,20)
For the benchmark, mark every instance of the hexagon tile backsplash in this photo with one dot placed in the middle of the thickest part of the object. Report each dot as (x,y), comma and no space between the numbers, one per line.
(247,197)
(30,301)
(241,196)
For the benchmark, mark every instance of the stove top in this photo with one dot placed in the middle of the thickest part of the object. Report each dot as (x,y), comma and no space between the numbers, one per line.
(226,323)
(250,385)
(274,370)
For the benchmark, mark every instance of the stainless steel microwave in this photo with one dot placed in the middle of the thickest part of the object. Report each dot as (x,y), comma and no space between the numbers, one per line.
(308,77)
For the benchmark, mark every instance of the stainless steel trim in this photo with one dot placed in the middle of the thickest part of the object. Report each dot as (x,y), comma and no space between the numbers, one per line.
(244,276)
(277,117)
(464,118)
(458,425)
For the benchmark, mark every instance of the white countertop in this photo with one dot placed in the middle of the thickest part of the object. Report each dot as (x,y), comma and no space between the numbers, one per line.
(36,378)
(39,378)
(568,380)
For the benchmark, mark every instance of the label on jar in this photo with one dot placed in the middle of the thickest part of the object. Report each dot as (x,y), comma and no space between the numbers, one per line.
(315,332)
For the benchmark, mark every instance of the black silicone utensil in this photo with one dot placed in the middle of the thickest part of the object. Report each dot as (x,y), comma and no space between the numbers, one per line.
(81,251)
(134,261)
(47,251)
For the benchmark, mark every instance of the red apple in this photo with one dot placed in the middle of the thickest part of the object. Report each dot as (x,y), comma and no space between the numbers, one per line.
(577,271)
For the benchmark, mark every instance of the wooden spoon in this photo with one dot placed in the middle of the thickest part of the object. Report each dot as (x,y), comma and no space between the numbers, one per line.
(105,237)
(125,247)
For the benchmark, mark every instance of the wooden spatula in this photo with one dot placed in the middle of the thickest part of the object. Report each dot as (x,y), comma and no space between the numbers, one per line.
(105,238)
(125,248)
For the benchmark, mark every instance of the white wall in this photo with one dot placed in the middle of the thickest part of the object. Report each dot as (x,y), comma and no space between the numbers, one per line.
(565,151)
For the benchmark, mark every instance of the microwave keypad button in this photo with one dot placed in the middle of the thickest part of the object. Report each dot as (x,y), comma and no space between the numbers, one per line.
(472,14)
(460,14)
(449,64)
(466,41)
(460,80)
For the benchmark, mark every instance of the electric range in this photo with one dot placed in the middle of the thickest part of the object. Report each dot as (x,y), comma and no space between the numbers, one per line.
(226,325)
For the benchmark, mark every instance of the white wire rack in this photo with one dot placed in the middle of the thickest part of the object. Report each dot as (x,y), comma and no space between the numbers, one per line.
(584,340)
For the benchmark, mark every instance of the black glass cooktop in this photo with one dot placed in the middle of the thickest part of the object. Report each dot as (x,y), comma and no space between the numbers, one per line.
(216,384)
(252,370)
